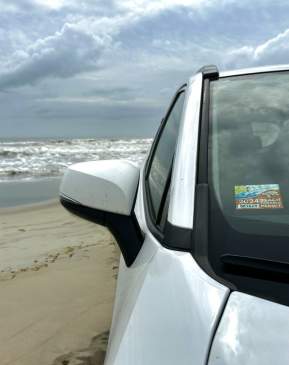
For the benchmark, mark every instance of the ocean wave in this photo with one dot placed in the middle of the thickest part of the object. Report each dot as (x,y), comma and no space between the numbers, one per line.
(32,159)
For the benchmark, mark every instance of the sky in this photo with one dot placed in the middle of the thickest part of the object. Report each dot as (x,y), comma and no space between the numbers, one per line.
(109,68)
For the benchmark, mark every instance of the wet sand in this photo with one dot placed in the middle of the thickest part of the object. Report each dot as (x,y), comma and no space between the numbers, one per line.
(57,282)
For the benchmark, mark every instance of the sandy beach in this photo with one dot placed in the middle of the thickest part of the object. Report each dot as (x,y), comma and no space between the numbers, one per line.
(57,282)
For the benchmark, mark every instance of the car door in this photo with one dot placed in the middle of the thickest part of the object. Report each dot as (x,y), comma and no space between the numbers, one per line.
(166,308)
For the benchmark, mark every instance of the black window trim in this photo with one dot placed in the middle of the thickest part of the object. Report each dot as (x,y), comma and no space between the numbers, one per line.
(265,269)
(172,235)
(200,239)
(160,130)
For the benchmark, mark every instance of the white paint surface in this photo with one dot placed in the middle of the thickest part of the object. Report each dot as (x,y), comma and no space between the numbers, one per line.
(166,307)
(252,331)
(108,185)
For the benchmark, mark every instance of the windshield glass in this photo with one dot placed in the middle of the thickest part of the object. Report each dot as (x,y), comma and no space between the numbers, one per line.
(250,159)
(249,168)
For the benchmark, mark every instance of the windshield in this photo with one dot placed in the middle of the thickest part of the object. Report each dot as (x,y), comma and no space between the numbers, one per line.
(249,173)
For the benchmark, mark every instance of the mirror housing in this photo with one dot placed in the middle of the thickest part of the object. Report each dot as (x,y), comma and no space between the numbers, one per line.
(104,192)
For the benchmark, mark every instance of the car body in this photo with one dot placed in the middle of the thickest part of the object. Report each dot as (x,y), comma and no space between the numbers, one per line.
(202,226)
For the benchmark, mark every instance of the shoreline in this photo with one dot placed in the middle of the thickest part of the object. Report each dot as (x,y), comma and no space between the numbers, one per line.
(57,283)
(16,193)
(29,206)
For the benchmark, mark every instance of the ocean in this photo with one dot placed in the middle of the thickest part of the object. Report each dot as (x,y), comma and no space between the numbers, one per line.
(30,170)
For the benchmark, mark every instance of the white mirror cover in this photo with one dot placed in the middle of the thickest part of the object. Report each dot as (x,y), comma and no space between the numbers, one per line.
(108,185)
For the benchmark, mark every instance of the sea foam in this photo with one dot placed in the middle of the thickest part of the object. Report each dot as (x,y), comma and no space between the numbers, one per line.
(43,158)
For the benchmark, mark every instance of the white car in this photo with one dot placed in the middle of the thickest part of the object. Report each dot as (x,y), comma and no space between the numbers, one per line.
(203,227)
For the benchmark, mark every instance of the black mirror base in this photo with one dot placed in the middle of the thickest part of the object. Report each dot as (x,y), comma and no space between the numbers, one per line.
(125,229)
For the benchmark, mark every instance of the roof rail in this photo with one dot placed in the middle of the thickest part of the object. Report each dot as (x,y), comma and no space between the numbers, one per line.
(210,72)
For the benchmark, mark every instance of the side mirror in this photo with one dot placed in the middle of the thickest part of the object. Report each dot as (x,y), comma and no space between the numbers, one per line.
(104,192)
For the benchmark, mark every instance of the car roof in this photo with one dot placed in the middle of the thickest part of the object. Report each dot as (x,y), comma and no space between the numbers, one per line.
(243,71)
(253,70)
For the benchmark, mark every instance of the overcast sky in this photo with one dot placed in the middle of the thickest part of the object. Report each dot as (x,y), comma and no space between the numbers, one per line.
(109,67)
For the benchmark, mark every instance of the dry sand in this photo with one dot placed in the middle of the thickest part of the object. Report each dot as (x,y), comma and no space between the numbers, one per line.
(57,281)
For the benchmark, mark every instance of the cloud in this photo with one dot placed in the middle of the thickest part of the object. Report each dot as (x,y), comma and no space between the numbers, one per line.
(28,5)
(145,7)
(51,4)
(80,43)
(66,53)
(274,51)
(89,42)
(89,59)
(14,6)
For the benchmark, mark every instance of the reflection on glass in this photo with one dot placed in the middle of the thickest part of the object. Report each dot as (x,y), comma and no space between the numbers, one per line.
(249,142)
(164,153)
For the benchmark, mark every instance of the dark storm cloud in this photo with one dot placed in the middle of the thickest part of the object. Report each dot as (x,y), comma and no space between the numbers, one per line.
(100,59)
(64,54)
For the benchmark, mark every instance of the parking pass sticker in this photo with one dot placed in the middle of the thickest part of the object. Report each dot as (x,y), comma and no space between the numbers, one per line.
(266,196)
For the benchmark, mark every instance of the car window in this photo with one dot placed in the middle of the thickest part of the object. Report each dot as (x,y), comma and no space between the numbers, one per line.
(249,182)
(162,160)
(250,133)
